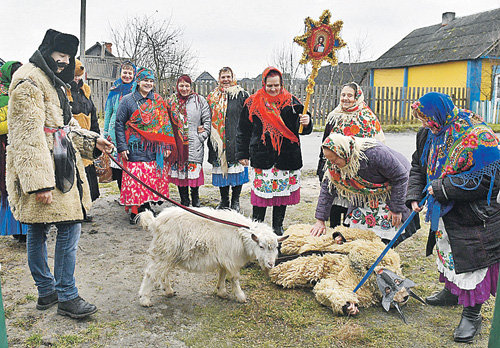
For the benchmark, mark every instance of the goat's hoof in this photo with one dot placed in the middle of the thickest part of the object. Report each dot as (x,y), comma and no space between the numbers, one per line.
(170,293)
(145,302)
(222,295)
(241,299)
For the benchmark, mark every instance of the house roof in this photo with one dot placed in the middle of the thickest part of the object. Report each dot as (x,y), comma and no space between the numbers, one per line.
(463,38)
(95,50)
(344,73)
(204,76)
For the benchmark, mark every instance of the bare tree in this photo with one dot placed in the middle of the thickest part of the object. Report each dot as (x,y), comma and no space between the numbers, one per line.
(286,58)
(155,44)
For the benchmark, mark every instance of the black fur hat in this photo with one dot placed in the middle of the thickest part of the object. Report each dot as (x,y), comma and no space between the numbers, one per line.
(64,43)
(60,42)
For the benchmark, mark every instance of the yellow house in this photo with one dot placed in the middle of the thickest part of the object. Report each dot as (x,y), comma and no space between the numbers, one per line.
(459,52)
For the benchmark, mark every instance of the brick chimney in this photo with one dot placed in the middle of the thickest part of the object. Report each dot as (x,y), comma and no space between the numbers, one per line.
(109,44)
(447,18)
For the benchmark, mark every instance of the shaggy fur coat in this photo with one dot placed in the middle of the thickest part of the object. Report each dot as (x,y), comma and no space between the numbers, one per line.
(34,104)
(334,276)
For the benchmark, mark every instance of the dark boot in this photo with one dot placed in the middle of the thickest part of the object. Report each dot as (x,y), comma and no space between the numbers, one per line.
(195,197)
(224,198)
(76,308)
(184,194)
(46,302)
(259,213)
(278,217)
(470,324)
(235,198)
(442,298)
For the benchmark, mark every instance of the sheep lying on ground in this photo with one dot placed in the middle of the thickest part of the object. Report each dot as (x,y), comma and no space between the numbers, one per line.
(195,244)
(334,274)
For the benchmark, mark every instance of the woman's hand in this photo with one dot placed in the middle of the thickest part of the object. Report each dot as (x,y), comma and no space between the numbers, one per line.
(395,218)
(415,207)
(167,153)
(352,309)
(430,190)
(304,119)
(201,129)
(244,162)
(104,145)
(44,197)
(318,229)
(124,155)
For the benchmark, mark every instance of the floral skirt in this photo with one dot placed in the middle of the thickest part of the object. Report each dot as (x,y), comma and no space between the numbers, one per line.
(190,174)
(133,193)
(471,287)
(274,187)
(237,175)
(8,225)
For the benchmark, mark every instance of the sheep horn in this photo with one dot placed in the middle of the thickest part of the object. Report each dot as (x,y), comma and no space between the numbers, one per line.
(415,296)
(396,305)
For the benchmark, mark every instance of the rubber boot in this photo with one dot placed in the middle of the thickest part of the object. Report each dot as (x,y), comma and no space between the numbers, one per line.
(259,213)
(184,194)
(235,198)
(224,198)
(278,217)
(195,197)
(470,324)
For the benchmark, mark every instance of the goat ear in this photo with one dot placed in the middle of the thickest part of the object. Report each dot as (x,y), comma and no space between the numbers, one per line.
(283,238)
(255,238)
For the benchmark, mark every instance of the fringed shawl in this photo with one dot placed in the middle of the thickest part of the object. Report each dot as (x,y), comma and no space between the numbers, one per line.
(218,99)
(346,180)
(465,149)
(268,109)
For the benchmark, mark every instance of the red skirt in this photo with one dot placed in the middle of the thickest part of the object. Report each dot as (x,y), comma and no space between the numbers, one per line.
(133,193)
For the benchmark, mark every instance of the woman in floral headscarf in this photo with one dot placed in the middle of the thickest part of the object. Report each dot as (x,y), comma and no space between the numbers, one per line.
(372,178)
(268,136)
(457,162)
(144,138)
(190,115)
(124,85)
(8,225)
(351,117)
(226,103)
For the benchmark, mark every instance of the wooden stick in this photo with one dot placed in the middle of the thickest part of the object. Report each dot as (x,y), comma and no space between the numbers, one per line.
(310,90)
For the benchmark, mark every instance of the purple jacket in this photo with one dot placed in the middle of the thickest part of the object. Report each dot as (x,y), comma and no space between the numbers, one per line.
(383,164)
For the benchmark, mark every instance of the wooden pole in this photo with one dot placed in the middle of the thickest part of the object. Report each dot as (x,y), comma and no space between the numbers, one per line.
(310,90)
(494,341)
(3,328)
(83,18)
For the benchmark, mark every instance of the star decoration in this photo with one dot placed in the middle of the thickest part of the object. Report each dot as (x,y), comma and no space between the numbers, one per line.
(321,40)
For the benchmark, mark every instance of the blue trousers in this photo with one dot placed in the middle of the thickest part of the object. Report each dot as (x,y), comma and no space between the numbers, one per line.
(63,280)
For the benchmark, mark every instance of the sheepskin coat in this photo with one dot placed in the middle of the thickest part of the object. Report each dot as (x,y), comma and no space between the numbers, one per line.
(334,275)
(34,104)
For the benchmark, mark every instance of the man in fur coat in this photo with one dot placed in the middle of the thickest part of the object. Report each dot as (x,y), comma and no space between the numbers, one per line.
(45,174)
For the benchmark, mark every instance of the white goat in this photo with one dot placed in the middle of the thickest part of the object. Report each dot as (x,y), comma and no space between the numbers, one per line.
(195,244)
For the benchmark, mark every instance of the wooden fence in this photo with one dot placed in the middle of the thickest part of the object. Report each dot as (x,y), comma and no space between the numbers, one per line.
(390,104)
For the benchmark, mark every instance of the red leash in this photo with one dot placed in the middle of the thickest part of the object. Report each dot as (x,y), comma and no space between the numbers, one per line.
(209,217)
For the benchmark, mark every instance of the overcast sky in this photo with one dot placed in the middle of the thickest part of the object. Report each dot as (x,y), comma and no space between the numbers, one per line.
(241,34)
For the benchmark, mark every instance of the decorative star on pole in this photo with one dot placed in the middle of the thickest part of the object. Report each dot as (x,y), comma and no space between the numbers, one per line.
(320,42)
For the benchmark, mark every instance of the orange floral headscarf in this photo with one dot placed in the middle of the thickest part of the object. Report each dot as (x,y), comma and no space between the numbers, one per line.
(268,109)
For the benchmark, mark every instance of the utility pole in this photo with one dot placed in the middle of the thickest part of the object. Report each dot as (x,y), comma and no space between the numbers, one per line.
(3,328)
(494,341)
(83,19)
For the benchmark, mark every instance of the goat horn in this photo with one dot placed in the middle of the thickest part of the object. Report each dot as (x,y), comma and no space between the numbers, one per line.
(415,296)
(396,305)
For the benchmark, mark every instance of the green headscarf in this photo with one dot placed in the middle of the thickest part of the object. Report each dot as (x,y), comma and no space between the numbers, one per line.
(5,79)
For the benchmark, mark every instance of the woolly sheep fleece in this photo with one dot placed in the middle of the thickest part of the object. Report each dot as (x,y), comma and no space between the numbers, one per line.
(334,276)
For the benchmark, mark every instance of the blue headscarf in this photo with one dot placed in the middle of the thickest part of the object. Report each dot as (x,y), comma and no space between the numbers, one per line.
(116,92)
(464,148)
(144,73)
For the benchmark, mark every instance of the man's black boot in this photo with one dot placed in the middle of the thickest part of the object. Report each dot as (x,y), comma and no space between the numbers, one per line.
(76,308)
